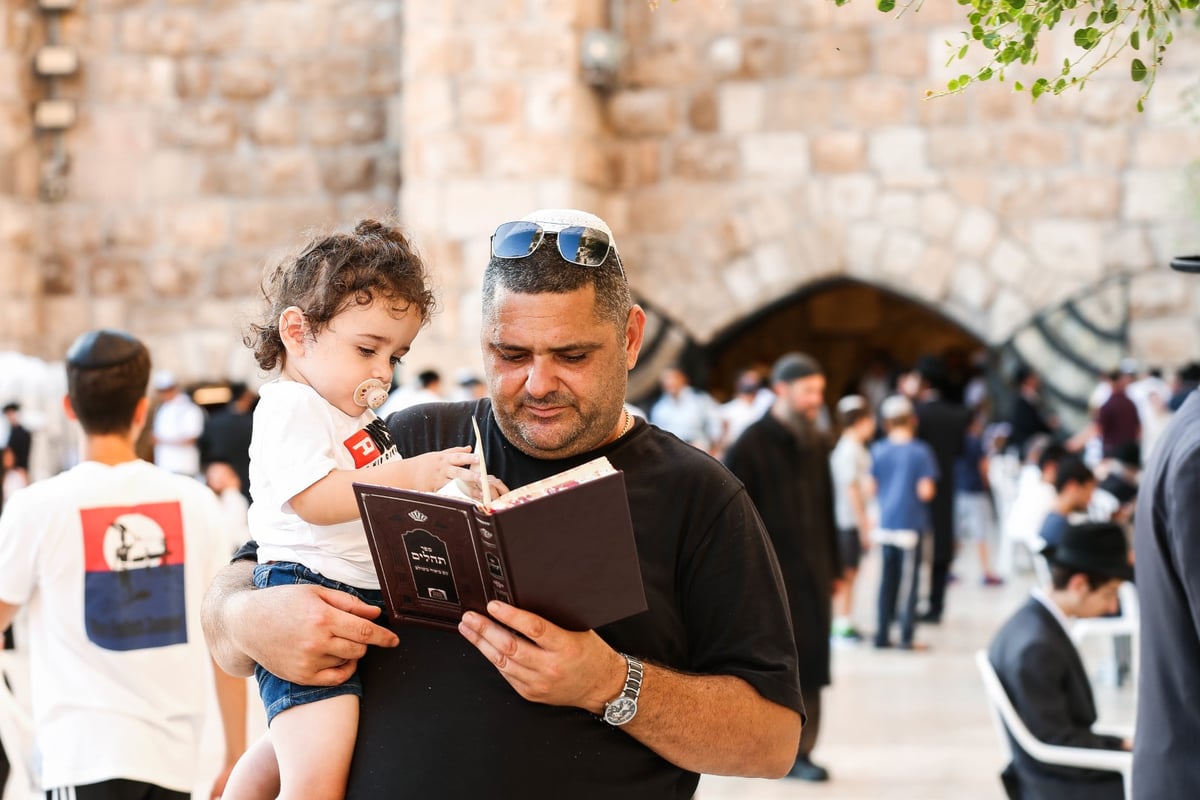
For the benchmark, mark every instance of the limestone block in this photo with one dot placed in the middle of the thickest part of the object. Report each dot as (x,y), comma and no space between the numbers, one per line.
(931,281)
(706,158)
(347,171)
(972,287)
(174,274)
(644,112)
(633,163)
(799,105)
(168,174)
(837,53)
(952,109)
(289,172)
(193,78)
(1020,195)
(863,244)
(172,33)
(275,124)
(1069,247)
(340,124)
(975,233)
(18,273)
(780,155)
(1127,249)
(520,155)
(16,223)
(1107,147)
(371,23)
(1092,195)
(232,176)
(1151,195)
(900,254)
(877,101)
(741,283)
(503,50)
(562,104)
(288,28)
(222,29)
(117,275)
(1009,263)
(997,103)
(237,276)
(201,225)
(775,266)
(659,63)
(131,228)
(1156,149)
(764,56)
(335,74)
(261,225)
(847,197)
(437,53)
(475,12)
(147,82)
(1171,340)
(475,207)
(901,54)
(951,147)
(704,111)
(839,151)
(77,229)
(897,150)
(740,107)
(938,215)
(246,77)
(1035,147)
(210,127)
(489,102)
(1159,293)
(1008,312)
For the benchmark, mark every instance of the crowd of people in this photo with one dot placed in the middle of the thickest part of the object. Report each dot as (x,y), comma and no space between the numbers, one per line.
(775,498)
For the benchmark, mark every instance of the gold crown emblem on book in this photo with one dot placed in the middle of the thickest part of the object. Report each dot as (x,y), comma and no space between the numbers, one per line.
(418,516)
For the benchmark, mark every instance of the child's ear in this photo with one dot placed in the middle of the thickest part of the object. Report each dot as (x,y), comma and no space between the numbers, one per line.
(293,329)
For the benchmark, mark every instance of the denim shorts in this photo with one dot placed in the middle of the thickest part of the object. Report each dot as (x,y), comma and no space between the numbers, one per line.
(278,694)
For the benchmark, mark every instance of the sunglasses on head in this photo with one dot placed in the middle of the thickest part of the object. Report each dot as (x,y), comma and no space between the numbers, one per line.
(578,244)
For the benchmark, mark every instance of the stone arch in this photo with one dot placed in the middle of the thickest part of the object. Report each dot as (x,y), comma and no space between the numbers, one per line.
(844,322)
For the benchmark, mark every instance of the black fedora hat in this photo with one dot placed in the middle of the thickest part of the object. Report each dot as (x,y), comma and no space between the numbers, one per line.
(1098,548)
(1186,263)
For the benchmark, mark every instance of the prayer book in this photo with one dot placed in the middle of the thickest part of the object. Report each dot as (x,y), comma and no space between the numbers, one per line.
(562,547)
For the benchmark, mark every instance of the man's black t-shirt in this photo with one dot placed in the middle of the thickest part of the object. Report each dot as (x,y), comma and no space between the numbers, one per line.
(439,721)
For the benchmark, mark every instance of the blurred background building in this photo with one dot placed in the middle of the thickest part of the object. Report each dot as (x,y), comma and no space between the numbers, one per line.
(775,175)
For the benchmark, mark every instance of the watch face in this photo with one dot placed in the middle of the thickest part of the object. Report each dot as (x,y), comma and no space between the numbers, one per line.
(620,711)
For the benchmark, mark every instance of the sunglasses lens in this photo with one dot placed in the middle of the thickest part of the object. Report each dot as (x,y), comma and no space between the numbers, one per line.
(516,239)
(585,246)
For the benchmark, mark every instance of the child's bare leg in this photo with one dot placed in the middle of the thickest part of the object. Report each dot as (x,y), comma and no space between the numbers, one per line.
(314,743)
(256,774)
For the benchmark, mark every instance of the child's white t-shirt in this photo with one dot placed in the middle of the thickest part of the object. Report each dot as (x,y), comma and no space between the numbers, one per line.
(298,439)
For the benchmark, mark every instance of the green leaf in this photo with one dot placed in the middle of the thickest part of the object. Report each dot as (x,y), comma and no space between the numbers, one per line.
(962,52)
(1018,86)
(1140,106)
(1137,70)
(1091,18)
(886,5)
(1134,39)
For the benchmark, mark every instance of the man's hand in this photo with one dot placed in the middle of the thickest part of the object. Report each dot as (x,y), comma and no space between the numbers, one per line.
(306,634)
(551,665)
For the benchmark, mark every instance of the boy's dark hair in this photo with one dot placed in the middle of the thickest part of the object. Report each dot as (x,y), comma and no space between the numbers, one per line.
(1051,454)
(428,377)
(334,272)
(1071,469)
(107,375)
(1060,576)
(545,272)
(850,417)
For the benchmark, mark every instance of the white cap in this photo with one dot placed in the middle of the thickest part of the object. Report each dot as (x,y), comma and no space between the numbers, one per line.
(555,219)
(851,402)
(163,379)
(896,406)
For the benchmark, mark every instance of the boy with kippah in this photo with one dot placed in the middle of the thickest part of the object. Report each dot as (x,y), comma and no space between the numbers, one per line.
(906,473)
(854,503)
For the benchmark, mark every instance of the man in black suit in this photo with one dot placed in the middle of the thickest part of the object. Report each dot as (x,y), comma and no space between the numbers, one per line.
(1167,542)
(1041,671)
(943,426)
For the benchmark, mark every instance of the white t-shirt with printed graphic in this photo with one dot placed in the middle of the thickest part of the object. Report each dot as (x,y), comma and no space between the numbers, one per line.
(112,563)
(298,439)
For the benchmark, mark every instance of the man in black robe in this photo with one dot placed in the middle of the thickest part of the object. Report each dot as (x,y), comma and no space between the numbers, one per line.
(784,463)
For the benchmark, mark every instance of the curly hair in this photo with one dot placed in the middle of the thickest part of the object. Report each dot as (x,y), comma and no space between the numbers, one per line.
(334,272)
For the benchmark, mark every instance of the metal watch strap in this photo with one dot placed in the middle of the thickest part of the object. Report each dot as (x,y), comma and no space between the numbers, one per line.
(623,707)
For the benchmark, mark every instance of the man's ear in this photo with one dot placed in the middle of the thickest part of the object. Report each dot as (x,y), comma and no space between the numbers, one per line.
(293,330)
(635,329)
(68,409)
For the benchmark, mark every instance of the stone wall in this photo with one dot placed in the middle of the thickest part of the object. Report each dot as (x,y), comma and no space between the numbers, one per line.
(211,134)
(19,273)
(782,143)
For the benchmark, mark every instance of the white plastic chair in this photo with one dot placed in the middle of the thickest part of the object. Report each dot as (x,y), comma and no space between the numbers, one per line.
(1006,720)
(16,731)
(1127,623)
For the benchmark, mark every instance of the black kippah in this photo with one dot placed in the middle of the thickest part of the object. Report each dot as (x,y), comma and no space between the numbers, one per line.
(103,348)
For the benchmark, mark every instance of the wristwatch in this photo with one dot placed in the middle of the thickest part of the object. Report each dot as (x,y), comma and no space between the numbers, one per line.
(623,708)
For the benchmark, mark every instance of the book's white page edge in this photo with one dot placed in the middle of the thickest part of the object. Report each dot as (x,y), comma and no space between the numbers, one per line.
(584,473)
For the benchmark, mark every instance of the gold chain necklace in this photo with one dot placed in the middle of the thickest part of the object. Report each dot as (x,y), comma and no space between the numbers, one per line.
(628,423)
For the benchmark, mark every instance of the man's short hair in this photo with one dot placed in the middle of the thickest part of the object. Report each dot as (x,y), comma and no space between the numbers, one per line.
(11,407)
(1071,469)
(1052,453)
(428,377)
(544,271)
(107,375)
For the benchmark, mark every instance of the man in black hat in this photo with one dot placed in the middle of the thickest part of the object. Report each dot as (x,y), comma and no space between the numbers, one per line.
(1167,543)
(1041,670)
(784,463)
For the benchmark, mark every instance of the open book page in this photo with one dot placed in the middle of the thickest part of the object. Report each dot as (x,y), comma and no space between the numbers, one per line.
(596,468)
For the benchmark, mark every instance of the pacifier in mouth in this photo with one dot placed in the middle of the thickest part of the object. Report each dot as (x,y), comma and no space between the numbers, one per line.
(371,393)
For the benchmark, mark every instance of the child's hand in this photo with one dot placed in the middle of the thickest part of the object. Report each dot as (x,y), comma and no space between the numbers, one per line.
(431,471)
(470,486)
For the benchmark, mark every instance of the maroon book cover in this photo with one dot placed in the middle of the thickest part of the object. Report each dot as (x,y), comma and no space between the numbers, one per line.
(568,554)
